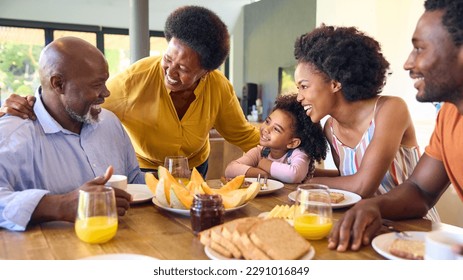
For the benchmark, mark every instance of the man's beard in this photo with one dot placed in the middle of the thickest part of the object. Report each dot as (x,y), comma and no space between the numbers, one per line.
(444,92)
(86,119)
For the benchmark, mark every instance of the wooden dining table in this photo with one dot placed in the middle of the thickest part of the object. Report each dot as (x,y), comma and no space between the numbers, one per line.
(150,231)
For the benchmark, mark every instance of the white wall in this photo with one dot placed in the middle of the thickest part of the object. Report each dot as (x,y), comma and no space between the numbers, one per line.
(390,22)
(111,13)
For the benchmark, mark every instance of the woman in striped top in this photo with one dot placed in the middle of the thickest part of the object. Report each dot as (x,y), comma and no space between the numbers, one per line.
(340,73)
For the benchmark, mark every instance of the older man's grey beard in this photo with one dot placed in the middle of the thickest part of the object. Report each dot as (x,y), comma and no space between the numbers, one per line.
(87,118)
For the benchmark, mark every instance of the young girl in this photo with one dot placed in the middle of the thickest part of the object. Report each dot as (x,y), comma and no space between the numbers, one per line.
(289,145)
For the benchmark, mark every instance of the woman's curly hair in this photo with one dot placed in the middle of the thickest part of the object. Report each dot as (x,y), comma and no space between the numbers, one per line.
(203,31)
(345,55)
(313,142)
(452,18)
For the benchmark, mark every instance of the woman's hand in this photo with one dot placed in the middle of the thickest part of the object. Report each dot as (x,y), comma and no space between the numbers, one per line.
(19,106)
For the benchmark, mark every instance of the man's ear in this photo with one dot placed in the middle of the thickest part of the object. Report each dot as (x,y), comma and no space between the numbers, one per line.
(294,143)
(57,83)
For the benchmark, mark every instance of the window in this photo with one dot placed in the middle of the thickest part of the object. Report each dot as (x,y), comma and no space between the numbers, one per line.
(22,41)
(87,36)
(19,52)
(117,52)
(286,83)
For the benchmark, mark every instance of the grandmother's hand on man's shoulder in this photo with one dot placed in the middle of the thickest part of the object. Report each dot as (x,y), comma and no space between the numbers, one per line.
(19,106)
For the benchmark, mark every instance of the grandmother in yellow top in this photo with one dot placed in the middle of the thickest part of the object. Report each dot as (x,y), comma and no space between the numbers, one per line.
(169,104)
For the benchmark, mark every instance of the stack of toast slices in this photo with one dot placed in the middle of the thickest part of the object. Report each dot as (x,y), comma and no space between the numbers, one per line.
(253,238)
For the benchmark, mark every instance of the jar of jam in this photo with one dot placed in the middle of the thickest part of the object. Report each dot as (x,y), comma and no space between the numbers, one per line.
(206,211)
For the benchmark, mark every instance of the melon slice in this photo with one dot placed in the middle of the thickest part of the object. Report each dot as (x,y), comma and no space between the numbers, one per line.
(160,193)
(180,197)
(194,188)
(190,187)
(207,189)
(252,191)
(233,184)
(234,198)
(196,176)
(199,190)
(151,182)
(169,180)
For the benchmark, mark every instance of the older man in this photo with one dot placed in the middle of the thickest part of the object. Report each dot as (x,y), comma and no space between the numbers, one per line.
(436,63)
(44,162)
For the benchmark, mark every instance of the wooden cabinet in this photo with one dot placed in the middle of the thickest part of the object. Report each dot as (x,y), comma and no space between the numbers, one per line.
(222,152)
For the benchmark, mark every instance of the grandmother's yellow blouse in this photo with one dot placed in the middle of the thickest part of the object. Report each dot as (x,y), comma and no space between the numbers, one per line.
(143,104)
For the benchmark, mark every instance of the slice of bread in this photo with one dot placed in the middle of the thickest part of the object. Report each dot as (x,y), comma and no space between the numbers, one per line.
(241,240)
(251,251)
(205,237)
(230,227)
(278,239)
(336,197)
(217,236)
(407,249)
(220,249)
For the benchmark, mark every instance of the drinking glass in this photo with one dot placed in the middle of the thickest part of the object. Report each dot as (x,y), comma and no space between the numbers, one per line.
(178,167)
(96,220)
(313,212)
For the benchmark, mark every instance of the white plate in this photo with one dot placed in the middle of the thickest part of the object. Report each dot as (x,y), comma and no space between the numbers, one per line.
(213,255)
(381,243)
(119,257)
(273,185)
(350,198)
(140,193)
(185,212)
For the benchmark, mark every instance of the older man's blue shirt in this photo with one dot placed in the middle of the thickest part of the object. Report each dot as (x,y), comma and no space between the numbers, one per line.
(41,157)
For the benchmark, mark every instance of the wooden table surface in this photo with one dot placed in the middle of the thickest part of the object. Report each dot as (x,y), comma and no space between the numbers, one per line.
(150,231)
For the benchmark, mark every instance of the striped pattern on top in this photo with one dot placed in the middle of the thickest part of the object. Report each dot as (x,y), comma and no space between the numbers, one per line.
(400,169)
(402,166)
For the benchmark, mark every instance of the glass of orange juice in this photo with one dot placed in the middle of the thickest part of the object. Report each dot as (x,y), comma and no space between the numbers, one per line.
(178,167)
(313,213)
(96,220)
